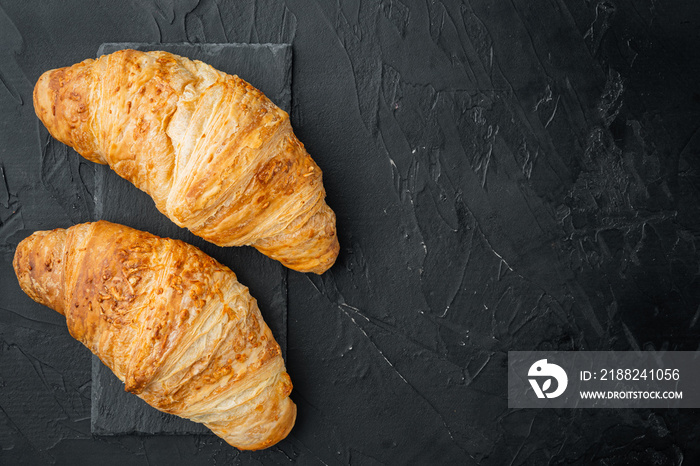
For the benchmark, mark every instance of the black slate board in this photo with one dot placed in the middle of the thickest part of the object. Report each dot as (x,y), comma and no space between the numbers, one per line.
(267,67)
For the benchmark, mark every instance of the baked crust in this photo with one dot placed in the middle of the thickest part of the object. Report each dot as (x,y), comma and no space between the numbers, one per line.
(172,323)
(215,154)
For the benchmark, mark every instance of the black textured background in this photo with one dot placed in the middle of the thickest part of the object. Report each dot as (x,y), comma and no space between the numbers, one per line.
(507,175)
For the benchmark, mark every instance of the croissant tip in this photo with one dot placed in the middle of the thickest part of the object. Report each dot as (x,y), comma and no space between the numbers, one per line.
(284,427)
(39,97)
(38,266)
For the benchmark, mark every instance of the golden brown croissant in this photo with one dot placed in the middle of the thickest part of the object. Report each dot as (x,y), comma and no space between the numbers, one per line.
(215,154)
(171,322)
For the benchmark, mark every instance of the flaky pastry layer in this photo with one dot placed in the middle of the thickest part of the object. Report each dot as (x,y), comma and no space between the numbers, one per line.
(214,153)
(172,323)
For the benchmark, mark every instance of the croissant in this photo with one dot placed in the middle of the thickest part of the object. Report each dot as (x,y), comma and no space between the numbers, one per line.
(172,323)
(215,154)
